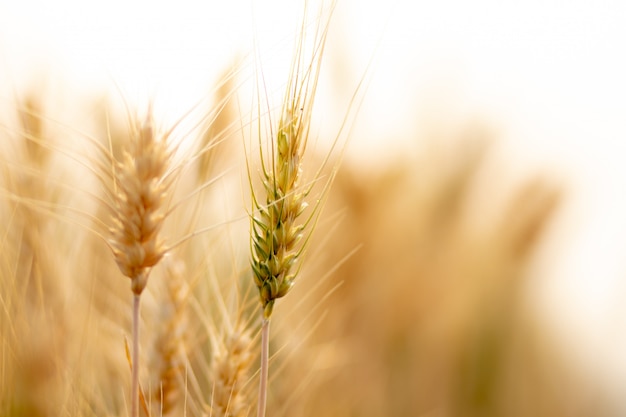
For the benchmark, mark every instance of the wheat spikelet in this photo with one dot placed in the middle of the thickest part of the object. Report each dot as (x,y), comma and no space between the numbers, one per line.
(140,190)
(230,368)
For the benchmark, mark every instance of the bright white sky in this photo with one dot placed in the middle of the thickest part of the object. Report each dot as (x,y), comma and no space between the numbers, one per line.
(550,74)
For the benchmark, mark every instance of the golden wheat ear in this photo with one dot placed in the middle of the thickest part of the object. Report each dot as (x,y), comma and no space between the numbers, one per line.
(230,371)
(140,189)
(169,357)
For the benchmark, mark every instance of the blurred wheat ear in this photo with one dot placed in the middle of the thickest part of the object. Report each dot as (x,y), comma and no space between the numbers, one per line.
(169,357)
(230,371)
(219,128)
(34,323)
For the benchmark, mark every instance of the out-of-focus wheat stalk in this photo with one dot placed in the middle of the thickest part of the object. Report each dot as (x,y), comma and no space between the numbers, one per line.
(32,296)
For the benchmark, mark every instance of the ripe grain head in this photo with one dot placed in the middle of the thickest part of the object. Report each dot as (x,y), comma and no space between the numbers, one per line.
(140,192)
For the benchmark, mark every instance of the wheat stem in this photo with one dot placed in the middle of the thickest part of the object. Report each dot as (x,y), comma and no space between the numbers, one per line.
(139,191)
(134,391)
(265,345)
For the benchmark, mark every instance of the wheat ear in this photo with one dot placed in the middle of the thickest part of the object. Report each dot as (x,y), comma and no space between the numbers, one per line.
(170,344)
(230,369)
(140,190)
(277,228)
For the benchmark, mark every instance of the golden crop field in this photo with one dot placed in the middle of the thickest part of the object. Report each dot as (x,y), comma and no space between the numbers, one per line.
(309,208)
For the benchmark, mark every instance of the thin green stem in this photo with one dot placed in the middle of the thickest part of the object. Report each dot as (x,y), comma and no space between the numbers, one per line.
(265,347)
(134,390)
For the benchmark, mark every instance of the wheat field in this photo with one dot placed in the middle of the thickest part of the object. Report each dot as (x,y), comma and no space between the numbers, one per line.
(151,233)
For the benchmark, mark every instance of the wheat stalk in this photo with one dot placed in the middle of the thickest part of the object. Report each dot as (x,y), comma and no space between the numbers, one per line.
(139,190)
(277,226)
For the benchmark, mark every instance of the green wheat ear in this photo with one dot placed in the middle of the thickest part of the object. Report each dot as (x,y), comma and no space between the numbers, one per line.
(276,228)
(279,232)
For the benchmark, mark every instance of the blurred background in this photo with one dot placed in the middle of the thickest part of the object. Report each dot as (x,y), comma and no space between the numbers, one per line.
(481,198)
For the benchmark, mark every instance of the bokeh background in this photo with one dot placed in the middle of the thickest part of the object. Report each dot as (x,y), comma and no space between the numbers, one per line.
(476,228)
